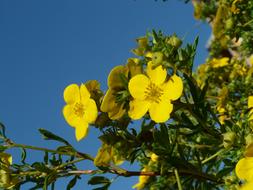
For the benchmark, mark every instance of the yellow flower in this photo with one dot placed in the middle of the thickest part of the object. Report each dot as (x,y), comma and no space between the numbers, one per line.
(80,110)
(250,105)
(216,63)
(154,94)
(143,179)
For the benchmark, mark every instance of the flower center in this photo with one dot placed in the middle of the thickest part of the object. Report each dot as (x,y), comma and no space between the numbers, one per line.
(79,109)
(153,93)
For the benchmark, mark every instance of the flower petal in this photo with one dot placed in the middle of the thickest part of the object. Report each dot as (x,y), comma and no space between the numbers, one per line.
(108,102)
(247,186)
(69,114)
(109,105)
(249,150)
(91,112)
(71,94)
(156,75)
(84,94)
(250,101)
(134,67)
(137,86)
(174,87)
(244,169)
(114,78)
(138,108)
(81,130)
(250,114)
(160,112)
(215,63)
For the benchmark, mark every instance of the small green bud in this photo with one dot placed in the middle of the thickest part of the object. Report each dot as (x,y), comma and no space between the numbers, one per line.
(228,139)
(157,58)
(249,139)
(174,41)
(229,24)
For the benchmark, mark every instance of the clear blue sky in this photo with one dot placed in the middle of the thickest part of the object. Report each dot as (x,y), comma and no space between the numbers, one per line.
(46,45)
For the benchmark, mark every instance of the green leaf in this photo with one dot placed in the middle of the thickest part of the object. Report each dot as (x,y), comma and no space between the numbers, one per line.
(72,183)
(98,180)
(224,172)
(194,89)
(23,155)
(46,158)
(204,90)
(2,130)
(47,135)
(105,187)
(155,36)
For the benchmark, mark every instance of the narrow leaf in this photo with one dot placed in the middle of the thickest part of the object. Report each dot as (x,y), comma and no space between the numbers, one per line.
(47,135)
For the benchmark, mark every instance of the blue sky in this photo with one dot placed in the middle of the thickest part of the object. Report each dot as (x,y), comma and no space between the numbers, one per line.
(47,45)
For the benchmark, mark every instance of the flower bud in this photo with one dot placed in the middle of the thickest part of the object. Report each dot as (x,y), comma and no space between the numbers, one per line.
(229,24)
(249,139)
(228,139)
(157,58)
(174,41)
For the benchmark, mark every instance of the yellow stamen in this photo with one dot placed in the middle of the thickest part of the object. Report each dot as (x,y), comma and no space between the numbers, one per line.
(79,109)
(153,93)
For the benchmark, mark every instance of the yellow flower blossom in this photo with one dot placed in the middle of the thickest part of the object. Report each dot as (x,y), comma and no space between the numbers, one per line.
(143,179)
(154,94)
(216,63)
(110,105)
(250,105)
(80,110)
